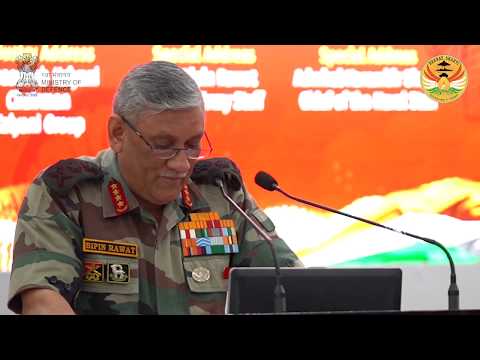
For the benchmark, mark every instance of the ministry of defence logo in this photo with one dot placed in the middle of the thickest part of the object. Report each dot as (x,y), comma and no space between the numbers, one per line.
(26,65)
(444,78)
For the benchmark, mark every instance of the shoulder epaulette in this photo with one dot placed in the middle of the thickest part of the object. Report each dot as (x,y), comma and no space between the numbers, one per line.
(65,174)
(231,174)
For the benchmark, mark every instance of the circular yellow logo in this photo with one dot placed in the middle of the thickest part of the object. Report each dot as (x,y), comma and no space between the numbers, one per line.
(444,78)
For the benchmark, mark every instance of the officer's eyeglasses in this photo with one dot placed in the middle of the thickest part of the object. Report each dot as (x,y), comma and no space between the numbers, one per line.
(166,153)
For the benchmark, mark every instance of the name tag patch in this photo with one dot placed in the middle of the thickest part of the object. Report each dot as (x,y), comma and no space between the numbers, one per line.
(106,247)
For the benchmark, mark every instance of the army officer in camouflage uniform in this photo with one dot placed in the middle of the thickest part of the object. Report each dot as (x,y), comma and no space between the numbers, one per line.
(138,229)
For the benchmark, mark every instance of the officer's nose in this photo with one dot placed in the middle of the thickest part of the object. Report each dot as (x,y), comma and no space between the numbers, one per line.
(180,162)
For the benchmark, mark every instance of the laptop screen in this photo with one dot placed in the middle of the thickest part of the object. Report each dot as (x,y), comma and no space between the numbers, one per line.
(250,290)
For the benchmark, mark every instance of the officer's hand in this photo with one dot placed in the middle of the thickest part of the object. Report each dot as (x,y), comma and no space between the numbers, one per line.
(44,302)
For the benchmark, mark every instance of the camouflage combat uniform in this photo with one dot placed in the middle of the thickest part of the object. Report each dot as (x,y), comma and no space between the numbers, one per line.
(70,202)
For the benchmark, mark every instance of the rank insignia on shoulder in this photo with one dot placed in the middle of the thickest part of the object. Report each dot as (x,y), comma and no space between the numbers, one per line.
(208,237)
(118,273)
(187,199)
(117,194)
(93,271)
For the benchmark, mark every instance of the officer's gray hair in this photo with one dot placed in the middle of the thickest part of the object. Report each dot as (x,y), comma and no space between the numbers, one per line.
(155,87)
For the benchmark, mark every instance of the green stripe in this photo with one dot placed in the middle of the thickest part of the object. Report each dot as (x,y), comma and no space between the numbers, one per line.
(218,249)
(417,254)
(70,227)
(37,256)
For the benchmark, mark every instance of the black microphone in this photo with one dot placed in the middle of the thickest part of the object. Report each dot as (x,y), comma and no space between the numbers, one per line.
(267,182)
(216,176)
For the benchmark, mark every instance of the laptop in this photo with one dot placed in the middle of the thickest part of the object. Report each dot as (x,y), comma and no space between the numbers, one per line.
(250,290)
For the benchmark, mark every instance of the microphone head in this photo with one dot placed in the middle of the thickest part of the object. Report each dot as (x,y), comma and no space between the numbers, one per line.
(209,171)
(266,181)
(215,176)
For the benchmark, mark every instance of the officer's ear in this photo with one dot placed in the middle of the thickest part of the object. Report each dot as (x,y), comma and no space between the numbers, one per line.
(116,133)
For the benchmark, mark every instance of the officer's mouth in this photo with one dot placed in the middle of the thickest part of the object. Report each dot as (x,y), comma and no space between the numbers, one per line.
(173,179)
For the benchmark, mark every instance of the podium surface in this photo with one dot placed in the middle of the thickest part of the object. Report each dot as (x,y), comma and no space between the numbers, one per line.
(315,290)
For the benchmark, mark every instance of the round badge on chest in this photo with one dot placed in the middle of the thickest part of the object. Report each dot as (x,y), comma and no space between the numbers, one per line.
(201,274)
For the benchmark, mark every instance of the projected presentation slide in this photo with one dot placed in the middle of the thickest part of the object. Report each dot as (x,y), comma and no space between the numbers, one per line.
(387,133)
